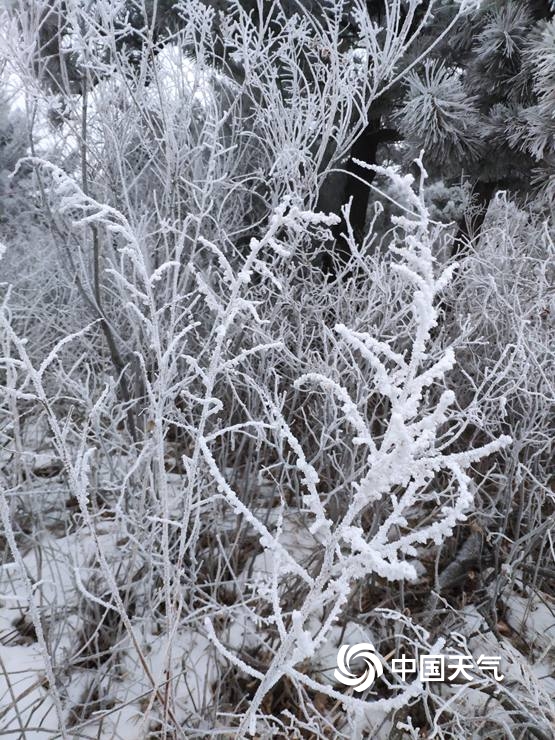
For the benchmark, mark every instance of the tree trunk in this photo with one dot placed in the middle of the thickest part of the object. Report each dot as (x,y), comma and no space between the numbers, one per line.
(356,186)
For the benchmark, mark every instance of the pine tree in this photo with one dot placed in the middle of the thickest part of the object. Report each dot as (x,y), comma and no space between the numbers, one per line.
(479,103)
(482,106)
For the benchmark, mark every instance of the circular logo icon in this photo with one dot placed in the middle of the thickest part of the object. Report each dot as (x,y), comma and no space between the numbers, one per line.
(364,651)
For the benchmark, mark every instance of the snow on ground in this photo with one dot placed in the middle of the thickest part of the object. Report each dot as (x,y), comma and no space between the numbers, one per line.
(60,562)
(59,566)
(24,700)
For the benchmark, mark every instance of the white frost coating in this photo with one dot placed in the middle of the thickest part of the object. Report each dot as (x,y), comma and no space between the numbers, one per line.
(398,471)
(248,458)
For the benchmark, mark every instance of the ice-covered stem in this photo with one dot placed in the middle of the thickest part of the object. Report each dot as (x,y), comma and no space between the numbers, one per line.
(34,611)
(77,467)
(399,469)
(227,305)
